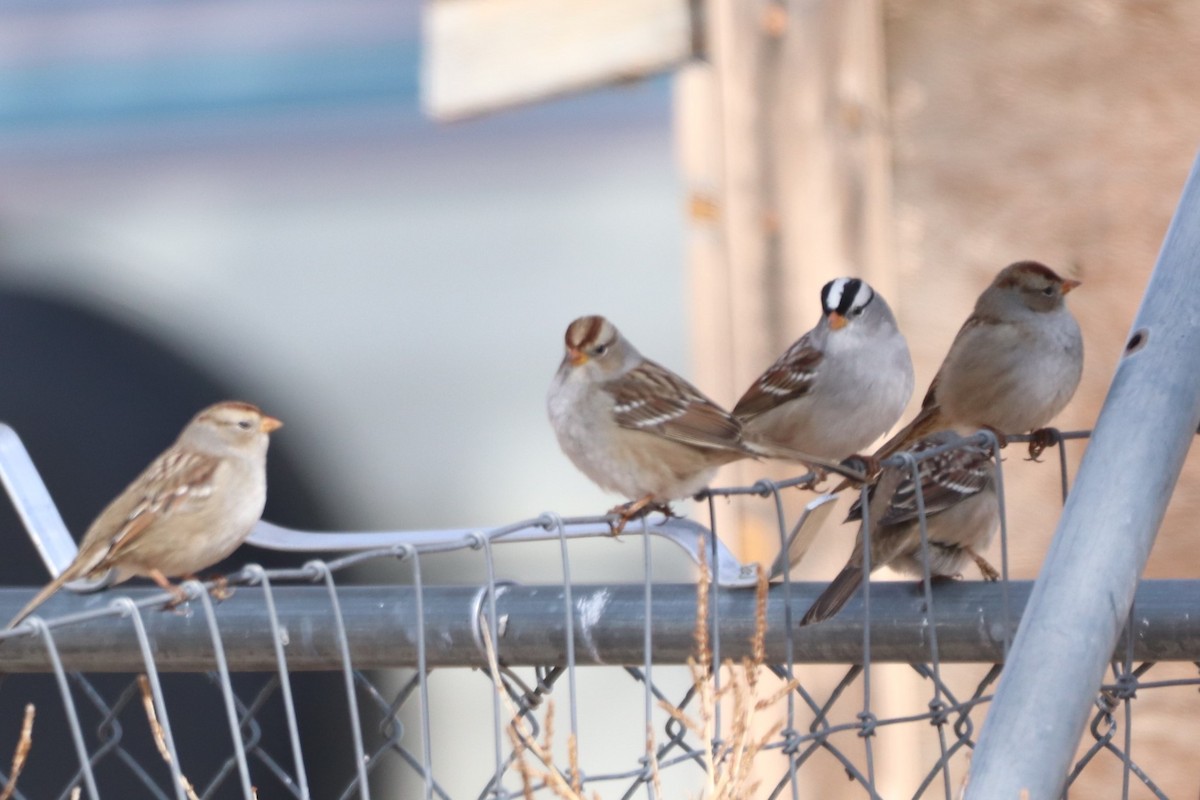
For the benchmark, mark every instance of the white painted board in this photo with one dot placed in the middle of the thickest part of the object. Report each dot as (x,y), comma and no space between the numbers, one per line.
(485,55)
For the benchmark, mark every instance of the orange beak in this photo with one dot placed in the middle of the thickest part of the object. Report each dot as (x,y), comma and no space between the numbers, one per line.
(269,424)
(576,356)
(1068,285)
(836,321)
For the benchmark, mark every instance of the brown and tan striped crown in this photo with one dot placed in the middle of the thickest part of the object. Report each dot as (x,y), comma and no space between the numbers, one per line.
(586,332)
(227,412)
(1018,273)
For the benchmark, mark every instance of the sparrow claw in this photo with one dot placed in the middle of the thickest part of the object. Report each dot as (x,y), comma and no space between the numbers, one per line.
(1039,440)
(663,509)
(816,476)
(635,509)
(1001,438)
(179,595)
(870,465)
(989,572)
(220,589)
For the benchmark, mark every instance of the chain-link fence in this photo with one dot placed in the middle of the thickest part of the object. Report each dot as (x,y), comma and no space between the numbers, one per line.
(305,684)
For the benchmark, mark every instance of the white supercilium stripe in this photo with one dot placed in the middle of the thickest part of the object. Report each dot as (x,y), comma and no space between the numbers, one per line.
(835,294)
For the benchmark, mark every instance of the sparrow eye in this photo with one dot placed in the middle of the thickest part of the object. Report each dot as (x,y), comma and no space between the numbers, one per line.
(245,424)
(600,349)
(1048,291)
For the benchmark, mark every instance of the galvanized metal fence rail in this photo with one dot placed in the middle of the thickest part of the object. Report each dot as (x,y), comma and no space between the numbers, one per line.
(409,682)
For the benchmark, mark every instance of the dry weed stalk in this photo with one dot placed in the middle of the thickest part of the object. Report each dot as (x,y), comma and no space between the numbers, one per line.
(652,757)
(160,739)
(20,753)
(730,766)
(521,734)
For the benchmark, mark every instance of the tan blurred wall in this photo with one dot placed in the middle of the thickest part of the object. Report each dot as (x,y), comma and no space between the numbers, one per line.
(1061,131)
(1055,130)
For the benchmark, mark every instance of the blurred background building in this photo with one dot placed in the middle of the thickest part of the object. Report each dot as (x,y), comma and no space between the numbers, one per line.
(227,199)
(209,198)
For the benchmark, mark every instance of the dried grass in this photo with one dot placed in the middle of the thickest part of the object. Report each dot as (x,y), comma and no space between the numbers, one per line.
(160,739)
(525,744)
(729,769)
(20,754)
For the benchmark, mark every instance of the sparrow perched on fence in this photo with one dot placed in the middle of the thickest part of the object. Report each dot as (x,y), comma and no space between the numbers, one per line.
(962,512)
(638,429)
(1013,365)
(842,385)
(193,506)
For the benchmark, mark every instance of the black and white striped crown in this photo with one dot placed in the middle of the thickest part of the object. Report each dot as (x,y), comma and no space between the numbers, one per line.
(845,295)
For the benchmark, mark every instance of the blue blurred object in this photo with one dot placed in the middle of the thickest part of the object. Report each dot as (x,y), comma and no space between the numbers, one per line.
(82,92)
(65,63)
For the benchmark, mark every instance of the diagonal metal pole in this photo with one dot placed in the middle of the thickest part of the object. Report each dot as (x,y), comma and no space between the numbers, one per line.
(1082,597)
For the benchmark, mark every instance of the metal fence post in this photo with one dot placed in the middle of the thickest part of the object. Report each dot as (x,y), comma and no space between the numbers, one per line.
(1080,601)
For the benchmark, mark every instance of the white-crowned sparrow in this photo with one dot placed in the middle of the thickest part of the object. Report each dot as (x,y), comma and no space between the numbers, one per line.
(962,513)
(189,509)
(638,429)
(1013,365)
(841,386)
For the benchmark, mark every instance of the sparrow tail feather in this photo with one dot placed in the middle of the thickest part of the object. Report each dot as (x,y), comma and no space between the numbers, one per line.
(49,589)
(841,589)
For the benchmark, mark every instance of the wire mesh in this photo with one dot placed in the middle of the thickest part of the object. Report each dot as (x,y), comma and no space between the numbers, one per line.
(500,689)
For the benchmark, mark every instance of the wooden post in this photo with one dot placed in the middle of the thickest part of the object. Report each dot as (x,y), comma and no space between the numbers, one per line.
(783,141)
(782,136)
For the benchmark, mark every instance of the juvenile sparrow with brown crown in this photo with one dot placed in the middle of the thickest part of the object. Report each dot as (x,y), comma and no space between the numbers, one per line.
(1014,364)
(193,506)
(638,429)
(962,512)
(841,386)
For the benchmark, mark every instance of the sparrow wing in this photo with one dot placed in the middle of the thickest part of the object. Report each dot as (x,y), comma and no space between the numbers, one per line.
(790,377)
(652,399)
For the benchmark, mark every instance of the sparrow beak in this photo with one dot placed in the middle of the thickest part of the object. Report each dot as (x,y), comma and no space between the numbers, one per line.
(1068,285)
(836,321)
(269,424)
(576,356)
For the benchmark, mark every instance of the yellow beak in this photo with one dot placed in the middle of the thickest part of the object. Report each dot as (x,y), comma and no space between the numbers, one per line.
(1068,285)
(269,424)
(576,356)
(836,320)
